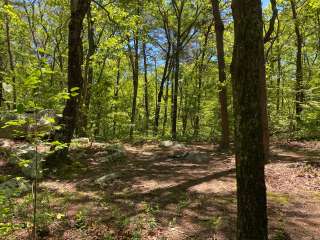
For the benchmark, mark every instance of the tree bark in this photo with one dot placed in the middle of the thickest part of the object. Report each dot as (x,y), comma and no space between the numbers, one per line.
(299,64)
(10,54)
(88,77)
(134,59)
(223,96)
(116,96)
(146,94)
(248,75)
(79,9)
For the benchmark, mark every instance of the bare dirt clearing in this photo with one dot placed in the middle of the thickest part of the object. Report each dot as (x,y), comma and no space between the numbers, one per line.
(183,192)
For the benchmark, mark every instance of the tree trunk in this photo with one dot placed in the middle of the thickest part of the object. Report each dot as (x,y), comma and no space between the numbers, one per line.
(88,78)
(135,79)
(10,54)
(1,81)
(146,95)
(223,96)
(200,77)
(299,65)
(79,9)
(176,86)
(166,73)
(165,117)
(248,75)
(278,79)
(116,96)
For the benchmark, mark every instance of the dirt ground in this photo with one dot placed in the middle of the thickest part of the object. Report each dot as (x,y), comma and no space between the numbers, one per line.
(185,192)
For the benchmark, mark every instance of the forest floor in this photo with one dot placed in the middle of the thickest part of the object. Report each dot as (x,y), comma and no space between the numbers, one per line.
(175,192)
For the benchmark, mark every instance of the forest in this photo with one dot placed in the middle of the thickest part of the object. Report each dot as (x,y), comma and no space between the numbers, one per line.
(160,119)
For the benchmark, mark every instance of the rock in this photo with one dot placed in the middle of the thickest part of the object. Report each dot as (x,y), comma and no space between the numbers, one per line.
(27,124)
(107,179)
(112,153)
(15,187)
(27,159)
(166,144)
(197,157)
(81,140)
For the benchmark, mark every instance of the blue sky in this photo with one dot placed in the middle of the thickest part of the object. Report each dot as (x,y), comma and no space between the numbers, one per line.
(265,3)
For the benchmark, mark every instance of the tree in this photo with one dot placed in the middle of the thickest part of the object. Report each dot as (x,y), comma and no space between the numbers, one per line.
(299,65)
(219,29)
(248,74)
(79,9)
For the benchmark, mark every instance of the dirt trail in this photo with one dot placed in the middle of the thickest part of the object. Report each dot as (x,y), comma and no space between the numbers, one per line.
(187,192)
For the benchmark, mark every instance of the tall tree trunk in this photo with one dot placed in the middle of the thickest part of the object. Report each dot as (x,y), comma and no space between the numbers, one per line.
(146,95)
(299,65)
(1,80)
(165,117)
(79,9)
(200,77)
(176,86)
(223,96)
(10,54)
(166,73)
(88,77)
(278,79)
(134,58)
(248,75)
(116,95)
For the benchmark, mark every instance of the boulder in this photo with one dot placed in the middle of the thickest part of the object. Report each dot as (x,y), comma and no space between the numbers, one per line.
(81,140)
(197,156)
(107,179)
(166,144)
(17,126)
(15,187)
(27,159)
(112,153)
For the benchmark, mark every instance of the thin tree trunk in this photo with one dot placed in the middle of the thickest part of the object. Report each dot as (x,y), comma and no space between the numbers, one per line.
(146,95)
(278,80)
(88,77)
(200,77)
(135,79)
(248,75)
(10,54)
(116,96)
(166,73)
(165,117)
(79,9)
(1,81)
(299,64)
(223,96)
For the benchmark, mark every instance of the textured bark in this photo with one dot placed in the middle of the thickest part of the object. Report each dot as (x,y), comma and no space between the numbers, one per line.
(165,117)
(88,78)
(146,94)
(10,54)
(299,64)
(223,96)
(166,73)
(1,80)
(201,66)
(248,75)
(134,59)
(116,96)
(79,9)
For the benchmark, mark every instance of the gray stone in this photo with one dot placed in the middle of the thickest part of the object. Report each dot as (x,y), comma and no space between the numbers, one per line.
(30,124)
(197,157)
(107,179)
(27,159)
(81,140)
(15,187)
(166,144)
(112,153)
